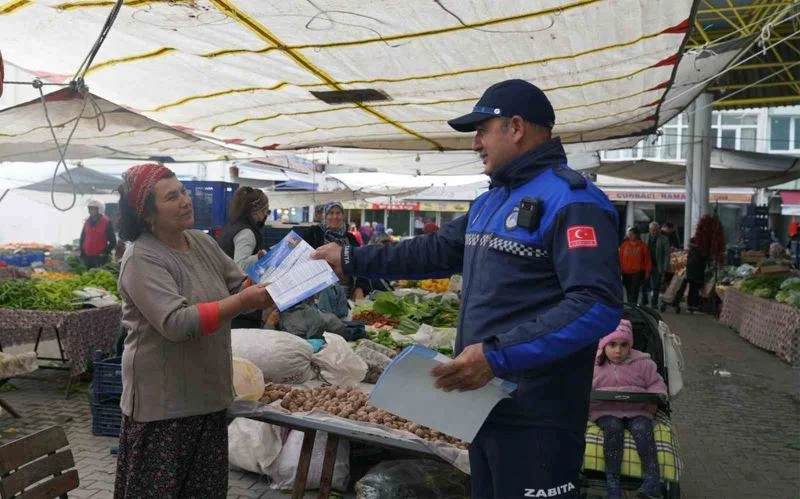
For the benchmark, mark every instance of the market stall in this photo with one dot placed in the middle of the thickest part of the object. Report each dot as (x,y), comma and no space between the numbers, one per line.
(319,389)
(342,429)
(753,311)
(79,311)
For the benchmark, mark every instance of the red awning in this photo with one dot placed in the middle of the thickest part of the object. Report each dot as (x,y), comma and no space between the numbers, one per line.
(790,197)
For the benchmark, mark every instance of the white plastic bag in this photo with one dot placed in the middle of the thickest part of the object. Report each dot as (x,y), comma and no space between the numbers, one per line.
(282,357)
(248,380)
(673,358)
(253,445)
(338,364)
(284,468)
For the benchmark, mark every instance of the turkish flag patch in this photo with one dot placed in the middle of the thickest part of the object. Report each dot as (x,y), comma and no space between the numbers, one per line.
(581,236)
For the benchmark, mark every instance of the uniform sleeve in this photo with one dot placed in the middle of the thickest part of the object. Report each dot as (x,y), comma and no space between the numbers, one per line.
(244,242)
(153,291)
(431,256)
(584,249)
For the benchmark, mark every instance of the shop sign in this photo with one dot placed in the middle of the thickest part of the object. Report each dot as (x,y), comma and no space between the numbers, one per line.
(667,196)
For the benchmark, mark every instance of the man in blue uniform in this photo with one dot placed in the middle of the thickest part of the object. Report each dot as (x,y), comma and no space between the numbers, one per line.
(541,286)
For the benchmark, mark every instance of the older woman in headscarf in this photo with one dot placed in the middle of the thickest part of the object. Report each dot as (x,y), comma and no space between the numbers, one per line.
(179,293)
(333,229)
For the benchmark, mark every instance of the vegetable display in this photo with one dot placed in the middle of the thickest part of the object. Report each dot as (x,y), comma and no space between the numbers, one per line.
(436,311)
(52,292)
(763,286)
(349,404)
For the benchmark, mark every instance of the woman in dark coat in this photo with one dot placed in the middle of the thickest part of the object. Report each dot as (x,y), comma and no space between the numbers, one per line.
(695,278)
(333,229)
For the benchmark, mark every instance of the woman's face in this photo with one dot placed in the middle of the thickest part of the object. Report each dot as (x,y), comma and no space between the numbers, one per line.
(335,218)
(261,215)
(173,206)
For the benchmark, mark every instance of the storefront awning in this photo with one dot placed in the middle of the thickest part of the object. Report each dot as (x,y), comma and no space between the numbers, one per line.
(728,169)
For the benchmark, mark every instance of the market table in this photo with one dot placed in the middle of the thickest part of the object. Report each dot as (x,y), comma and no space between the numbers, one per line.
(337,429)
(765,323)
(78,333)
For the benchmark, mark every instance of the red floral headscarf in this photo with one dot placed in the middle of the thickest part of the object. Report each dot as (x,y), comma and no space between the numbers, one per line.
(140,180)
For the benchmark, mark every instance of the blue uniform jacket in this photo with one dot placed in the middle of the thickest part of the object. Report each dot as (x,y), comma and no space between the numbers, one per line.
(538,300)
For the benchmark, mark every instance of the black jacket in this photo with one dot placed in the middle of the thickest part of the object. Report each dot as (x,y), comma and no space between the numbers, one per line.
(225,239)
(695,265)
(315,237)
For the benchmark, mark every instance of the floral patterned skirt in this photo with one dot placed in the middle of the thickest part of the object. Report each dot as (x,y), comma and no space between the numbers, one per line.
(173,458)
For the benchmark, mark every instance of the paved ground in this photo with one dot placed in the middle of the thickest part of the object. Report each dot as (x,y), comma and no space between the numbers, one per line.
(739,435)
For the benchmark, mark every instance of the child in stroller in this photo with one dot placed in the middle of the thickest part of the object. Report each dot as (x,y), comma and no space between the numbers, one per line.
(620,368)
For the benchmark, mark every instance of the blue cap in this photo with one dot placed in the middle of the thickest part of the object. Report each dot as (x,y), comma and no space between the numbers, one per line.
(509,98)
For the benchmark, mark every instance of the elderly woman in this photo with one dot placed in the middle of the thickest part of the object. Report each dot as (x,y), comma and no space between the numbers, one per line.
(334,230)
(179,293)
(241,239)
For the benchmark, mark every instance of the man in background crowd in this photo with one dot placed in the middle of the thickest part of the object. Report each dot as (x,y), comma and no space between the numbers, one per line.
(97,237)
(658,247)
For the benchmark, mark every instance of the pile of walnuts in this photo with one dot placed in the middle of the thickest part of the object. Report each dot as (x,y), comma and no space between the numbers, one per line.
(349,404)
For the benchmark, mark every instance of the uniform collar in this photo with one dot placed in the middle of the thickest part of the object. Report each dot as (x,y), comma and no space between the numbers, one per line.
(529,164)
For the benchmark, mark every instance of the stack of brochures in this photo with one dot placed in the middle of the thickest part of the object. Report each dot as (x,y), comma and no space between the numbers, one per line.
(291,273)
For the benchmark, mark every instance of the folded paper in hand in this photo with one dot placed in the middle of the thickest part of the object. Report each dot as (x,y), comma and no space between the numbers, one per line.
(406,389)
(291,273)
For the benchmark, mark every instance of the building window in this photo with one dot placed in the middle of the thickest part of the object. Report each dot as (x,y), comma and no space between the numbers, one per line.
(780,131)
(733,130)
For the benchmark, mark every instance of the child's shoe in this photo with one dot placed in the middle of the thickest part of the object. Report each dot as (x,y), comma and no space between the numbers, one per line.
(650,489)
(613,487)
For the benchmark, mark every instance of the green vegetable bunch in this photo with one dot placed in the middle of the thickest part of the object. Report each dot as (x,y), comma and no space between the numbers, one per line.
(47,294)
(36,294)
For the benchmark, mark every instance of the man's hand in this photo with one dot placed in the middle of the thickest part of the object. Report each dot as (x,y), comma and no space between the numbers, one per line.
(469,371)
(332,253)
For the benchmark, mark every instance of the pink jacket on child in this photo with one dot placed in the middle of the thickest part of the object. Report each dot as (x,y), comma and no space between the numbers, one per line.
(637,374)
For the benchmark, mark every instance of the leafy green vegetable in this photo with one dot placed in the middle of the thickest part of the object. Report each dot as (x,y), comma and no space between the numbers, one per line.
(390,305)
(47,294)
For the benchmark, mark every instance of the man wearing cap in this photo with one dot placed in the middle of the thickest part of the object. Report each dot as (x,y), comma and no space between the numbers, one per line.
(541,286)
(97,237)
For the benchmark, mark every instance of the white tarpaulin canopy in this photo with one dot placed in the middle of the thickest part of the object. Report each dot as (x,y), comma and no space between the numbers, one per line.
(105,130)
(271,73)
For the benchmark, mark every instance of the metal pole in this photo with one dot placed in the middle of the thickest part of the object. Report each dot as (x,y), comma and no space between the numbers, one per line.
(701,157)
(687,205)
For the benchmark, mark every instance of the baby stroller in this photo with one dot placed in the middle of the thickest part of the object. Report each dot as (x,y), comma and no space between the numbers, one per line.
(646,338)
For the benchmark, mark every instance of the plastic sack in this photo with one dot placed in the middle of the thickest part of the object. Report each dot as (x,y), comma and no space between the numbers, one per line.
(253,445)
(282,357)
(376,361)
(338,364)
(248,380)
(673,358)
(792,283)
(745,270)
(284,469)
(427,336)
(377,347)
(456,281)
(417,478)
